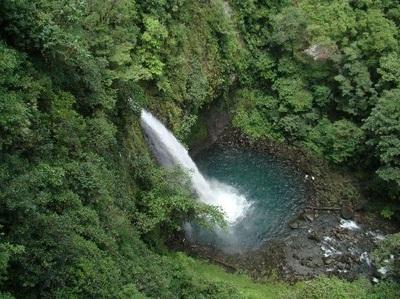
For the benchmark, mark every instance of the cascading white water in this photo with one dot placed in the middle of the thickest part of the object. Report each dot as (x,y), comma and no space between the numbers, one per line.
(169,152)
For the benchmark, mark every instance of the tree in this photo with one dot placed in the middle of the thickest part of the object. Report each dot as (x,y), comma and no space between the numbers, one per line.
(18,99)
(293,95)
(389,70)
(383,129)
(289,28)
(257,114)
(338,141)
(357,92)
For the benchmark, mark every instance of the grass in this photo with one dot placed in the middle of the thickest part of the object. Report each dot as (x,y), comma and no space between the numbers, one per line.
(243,283)
(322,287)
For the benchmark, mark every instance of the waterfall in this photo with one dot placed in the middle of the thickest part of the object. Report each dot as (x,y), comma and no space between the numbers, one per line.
(169,152)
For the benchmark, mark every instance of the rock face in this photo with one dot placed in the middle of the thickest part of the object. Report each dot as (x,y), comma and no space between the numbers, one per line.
(320,52)
(217,121)
(227,9)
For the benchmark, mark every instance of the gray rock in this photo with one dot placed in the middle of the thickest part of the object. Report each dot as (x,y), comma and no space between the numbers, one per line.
(294,224)
(346,213)
(309,217)
(315,236)
(328,261)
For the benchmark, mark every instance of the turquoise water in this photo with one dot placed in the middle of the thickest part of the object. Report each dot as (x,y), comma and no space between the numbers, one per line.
(276,193)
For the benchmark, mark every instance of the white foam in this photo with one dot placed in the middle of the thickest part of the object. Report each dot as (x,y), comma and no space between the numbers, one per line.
(328,248)
(349,224)
(364,257)
(383,270)
(330,269)
(376,236)
(232,203)
(328,239)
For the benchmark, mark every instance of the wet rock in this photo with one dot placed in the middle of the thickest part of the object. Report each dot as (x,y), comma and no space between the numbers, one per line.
(312,263)
(318,263)
(309,264)
(346,213)
(328,260)
(294,224)
(315,236)
(297,222)
(308,217)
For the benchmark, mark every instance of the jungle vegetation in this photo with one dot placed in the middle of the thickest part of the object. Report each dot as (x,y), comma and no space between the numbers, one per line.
(84,209)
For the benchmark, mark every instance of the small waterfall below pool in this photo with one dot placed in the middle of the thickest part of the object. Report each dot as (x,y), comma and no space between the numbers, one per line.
(170,152)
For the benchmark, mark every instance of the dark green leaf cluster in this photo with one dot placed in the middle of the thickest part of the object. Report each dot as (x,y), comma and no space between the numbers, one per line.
(324,75)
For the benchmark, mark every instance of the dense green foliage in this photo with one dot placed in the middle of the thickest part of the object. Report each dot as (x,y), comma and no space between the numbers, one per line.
(324,75)
(75,198)
(384,255)
(79,192)
(84,209)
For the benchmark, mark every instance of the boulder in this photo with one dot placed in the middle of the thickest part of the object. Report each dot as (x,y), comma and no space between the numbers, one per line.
(328,260)
(346,212)
(308,216)
(297,221)
(294,224)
